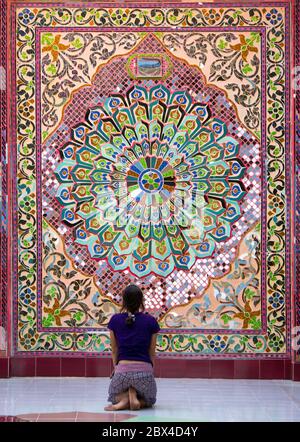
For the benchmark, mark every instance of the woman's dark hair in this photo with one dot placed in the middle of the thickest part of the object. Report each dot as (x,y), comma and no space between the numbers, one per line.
(133,301)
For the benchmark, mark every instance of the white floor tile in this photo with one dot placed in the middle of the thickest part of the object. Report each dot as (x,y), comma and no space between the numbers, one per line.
(182,399)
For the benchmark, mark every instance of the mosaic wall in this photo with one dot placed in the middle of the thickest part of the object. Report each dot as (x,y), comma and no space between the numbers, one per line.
(152,146)
(296,90)
(3,184)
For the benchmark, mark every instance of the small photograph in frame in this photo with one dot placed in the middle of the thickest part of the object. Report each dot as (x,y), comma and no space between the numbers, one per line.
(149,67)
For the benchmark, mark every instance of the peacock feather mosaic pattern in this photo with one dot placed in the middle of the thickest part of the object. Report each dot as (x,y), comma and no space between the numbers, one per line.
(152,146)
(151,181)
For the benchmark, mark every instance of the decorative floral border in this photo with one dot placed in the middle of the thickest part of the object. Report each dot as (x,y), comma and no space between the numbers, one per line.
(40,232)
(193,345)
(297,176)
(3,178)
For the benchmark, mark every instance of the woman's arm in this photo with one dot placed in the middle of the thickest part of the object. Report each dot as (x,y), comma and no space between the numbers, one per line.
(114,348)
(152,347)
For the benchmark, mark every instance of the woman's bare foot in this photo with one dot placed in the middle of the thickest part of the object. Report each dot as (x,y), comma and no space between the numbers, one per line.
(133,400)
(123,403)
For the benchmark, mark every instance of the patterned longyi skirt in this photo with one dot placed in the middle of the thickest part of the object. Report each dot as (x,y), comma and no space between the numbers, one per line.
(138,376)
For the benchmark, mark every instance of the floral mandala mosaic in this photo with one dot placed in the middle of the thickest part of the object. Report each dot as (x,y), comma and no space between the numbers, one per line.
(121,116)
(150,181)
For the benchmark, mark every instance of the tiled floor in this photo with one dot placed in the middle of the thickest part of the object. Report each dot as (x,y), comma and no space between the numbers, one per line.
(75,416)
(178,399)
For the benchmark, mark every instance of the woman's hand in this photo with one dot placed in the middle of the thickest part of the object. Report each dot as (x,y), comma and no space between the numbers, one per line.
(114,348)
(152,348)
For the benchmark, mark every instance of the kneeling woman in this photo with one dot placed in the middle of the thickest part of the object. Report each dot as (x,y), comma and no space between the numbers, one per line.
(133,340)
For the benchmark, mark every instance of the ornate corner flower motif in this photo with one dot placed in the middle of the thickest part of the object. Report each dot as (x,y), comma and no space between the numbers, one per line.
(244,47)
(247,315)
(27,203)
(56,312)
(150,181)
(28,341)
(26,109)
(27,296)
(217,344)
(26,16)
(275,110)
(119,16)
(211,15)
(276,342)
(274,16)
(276,300)
(53,45)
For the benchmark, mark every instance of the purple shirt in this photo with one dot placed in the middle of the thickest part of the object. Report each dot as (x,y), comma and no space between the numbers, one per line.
(133,340)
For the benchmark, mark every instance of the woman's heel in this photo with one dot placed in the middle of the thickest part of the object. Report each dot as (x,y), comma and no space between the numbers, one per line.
(133,400)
